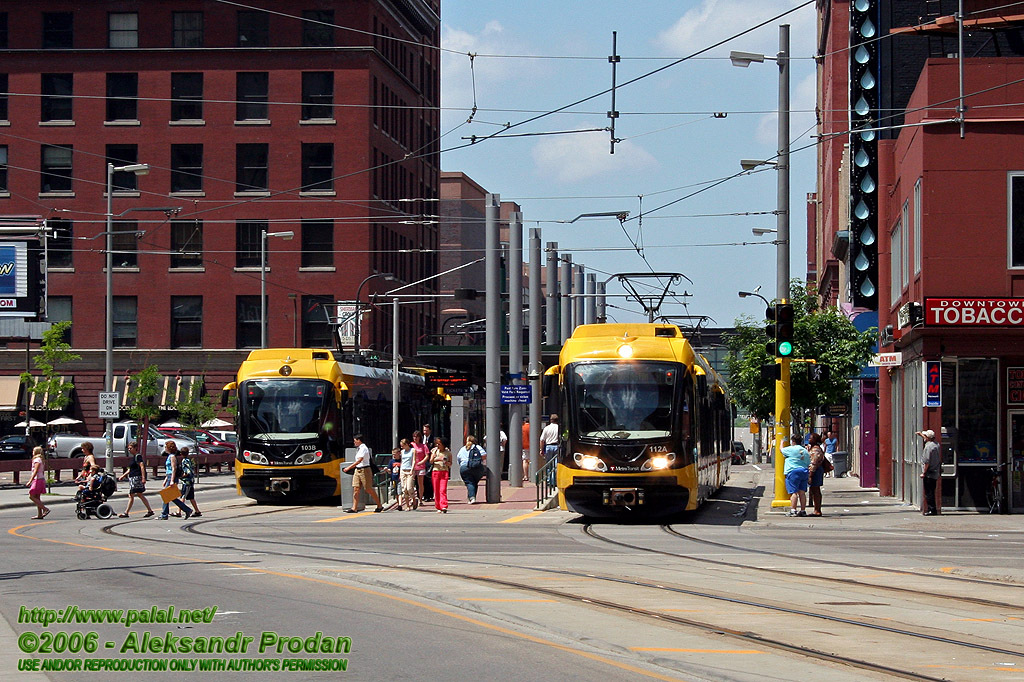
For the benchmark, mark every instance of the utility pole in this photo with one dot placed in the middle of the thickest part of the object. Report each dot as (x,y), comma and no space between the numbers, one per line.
(494,336)
(565,288)
(515,346)
(535,367)
(551,328)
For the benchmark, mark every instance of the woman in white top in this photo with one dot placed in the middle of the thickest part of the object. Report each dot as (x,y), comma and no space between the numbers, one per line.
(37,482)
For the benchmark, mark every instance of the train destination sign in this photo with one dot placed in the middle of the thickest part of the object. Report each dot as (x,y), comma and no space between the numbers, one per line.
(974,312)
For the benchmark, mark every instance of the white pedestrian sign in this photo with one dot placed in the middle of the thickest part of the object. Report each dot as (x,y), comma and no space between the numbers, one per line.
(110,405)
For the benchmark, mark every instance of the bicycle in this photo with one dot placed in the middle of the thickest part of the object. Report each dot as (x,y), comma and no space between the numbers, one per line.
(994,493)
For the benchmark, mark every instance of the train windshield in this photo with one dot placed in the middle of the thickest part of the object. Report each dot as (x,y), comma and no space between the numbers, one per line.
(622,400)
(284,409)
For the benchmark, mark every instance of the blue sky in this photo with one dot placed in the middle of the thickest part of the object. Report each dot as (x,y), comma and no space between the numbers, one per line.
(672,144)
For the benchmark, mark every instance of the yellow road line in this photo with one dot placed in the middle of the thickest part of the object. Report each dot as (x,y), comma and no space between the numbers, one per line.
(697,651)
(522,517)
(384,595)
(510,600)
(346,516)
(987,620)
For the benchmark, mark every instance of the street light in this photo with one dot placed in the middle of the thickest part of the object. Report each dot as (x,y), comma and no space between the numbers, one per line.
(744,294)
(286,234)
(388,276)
(761,231)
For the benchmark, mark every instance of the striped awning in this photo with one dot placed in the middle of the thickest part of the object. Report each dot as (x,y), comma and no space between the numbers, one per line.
(170,389)
(9,389)
(39,401)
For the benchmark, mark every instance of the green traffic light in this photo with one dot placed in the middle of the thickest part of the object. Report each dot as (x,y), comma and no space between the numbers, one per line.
(785,349)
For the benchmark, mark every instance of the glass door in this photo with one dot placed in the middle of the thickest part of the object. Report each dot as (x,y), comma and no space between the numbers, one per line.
(1014,482)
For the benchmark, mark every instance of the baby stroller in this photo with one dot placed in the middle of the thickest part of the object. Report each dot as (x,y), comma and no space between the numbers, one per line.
(92,499)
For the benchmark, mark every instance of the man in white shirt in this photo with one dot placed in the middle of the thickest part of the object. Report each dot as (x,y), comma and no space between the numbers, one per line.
(549,443)
(362,476)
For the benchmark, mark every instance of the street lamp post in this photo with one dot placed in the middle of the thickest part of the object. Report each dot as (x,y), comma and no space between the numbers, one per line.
(388,276)
(286,234)
(108,357)
(782,386)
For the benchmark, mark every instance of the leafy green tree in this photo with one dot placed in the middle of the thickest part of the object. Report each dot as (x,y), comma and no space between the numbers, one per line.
(822,334)
(196,408)
(53,352)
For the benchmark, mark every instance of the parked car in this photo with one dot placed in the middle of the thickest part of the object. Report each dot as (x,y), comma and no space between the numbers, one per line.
(226,436)
(18,446)
(208,443)
(739,453)
(70,445)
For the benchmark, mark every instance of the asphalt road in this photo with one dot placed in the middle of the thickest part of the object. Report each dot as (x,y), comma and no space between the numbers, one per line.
(487,592)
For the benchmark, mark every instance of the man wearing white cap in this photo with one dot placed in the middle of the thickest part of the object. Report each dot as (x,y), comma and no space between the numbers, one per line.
(930,470)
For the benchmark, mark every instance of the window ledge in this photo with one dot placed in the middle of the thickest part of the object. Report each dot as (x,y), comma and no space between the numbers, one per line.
(189,193)
(125,268)
(318,122)
(249,268)
(187,268)
(57,269)
(56,123)
(5,123)
(318,268)
(5,194)
(187,122)
(255,193)
(318,193)
(125,193)
(253,122)
(127,122)
(60,194)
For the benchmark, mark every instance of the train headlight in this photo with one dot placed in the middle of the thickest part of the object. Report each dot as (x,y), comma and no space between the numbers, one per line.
(625,351)
(254,457)
(310,457)
(590,462)
(659,462)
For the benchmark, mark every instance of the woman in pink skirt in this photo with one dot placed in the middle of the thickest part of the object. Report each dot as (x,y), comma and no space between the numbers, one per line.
(441,459)
(37,482)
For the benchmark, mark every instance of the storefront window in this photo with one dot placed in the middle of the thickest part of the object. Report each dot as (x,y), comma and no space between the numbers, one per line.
(976,409)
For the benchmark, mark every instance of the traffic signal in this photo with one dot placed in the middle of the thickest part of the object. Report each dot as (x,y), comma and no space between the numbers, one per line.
(817,372)
(770,329)
(771,372)
(784,330)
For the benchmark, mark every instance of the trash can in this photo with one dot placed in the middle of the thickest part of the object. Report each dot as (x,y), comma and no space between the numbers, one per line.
(841,461)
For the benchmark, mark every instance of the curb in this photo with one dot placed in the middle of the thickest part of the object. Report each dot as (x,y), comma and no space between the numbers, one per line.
(62,498)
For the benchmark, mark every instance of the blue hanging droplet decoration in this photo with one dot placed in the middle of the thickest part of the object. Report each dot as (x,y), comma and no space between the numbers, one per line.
(862,5)
(867,288)
(867,81)
(861,262)
(867,185)
(867,236)
(868,135)
(867,29)
(861,158)
(862,107)
(862,55)
(861,210)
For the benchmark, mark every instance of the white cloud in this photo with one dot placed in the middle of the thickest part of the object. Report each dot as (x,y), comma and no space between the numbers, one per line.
(581,156)
(802,99)
(716,20)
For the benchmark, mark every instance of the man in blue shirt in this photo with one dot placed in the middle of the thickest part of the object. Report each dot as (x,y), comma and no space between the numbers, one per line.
(831,445)
(798,459)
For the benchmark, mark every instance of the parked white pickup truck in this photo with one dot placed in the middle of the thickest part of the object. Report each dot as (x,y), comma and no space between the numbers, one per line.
(70,445)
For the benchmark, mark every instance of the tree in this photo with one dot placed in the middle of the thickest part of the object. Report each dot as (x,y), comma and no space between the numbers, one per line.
(54,351)
(821,334)
(196,408)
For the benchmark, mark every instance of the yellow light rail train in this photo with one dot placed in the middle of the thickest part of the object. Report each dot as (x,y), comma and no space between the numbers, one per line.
(646,422)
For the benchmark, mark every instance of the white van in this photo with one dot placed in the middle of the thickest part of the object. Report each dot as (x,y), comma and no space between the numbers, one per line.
(227,436)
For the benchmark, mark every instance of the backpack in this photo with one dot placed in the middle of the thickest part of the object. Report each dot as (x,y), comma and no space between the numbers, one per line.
(107,485)
(188,470)
(476,460)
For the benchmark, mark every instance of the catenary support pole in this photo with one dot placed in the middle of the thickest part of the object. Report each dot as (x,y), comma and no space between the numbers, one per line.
(590,302)
(565,288)
(535,368)
(492,285)
(602,308)
(578,288)
(515,346)
(552,335)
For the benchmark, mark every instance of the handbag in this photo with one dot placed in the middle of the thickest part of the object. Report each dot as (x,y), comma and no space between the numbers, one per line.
(827,465)
(170,493)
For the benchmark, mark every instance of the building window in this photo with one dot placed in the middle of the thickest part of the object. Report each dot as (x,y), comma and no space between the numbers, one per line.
(55,104)
(317,243)
(316,327)
(905,247)
(59,248)
(186,321)
(125,241)
(971,409)
(123,29)
(58,309)
(3,168)
(317,28)
(248,235)
(317,167)
(187,244)
(253,29)
(248,314)
(58,30)
(126,321)
(122,96)
(1017,221)
(186,96)
(188,29)
(55,174)
(3,96)
(123,155)
(894,262)
(251,96)
(3,30)
(251,167)
(917,226)
(317,95)
(186,167)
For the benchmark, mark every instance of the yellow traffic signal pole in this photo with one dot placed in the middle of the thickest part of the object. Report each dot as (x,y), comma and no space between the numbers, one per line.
(782,422)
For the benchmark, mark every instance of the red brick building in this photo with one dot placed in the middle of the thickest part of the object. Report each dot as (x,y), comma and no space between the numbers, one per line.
(319,118)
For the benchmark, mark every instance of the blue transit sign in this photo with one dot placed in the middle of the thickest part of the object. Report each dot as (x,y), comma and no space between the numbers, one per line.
(516,394)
